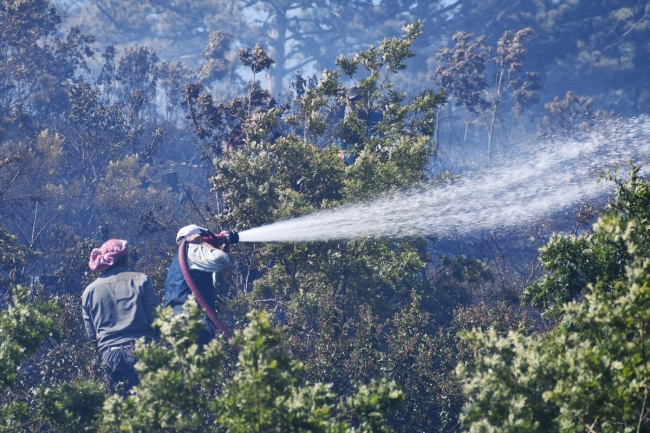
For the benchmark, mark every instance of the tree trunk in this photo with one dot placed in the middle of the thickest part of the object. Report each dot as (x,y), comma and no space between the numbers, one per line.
(491,130)
(278,45)
(495,109)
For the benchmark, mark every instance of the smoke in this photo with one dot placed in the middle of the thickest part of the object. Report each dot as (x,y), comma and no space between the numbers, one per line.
(545,178)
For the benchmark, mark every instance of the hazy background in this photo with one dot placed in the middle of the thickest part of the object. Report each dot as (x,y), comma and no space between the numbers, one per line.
(598,48)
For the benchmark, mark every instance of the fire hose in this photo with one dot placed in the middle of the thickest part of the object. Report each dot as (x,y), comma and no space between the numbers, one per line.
(212,315)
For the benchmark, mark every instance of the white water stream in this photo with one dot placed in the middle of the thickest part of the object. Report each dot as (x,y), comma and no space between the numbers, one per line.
(543,179)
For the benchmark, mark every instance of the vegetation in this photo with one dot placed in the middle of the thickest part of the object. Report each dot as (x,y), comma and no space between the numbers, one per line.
(266,393)
(591,372)
(369,335)
(599,256)
(463,75)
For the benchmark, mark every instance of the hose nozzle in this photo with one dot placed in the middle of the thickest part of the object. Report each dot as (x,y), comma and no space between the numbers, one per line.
(225,237)
(232,237)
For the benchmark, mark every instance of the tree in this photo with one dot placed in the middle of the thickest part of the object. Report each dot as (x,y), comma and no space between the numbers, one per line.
(13,258)
(463,75)
(570,116)
(257,60)
(216,63)
(592,48)
(299,35)
(350,311)
(84,157)
(267,392)
(36,62)
(600,256)
(176,379)
(315,32)
(24,326)
(176,29)
(260,168)
(591,373)
(68,141)
(579,46)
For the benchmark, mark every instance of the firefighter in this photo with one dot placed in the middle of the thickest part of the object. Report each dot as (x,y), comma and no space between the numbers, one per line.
(118,308)
(208,265)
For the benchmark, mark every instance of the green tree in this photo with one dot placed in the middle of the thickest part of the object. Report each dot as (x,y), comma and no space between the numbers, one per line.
(337,297)
(25,325)
(267,392)
(176,380)
(599,256)
(589,374)
(13,258)
(510,89)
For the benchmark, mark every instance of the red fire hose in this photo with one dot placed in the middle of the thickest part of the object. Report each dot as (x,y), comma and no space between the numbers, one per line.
(182,259)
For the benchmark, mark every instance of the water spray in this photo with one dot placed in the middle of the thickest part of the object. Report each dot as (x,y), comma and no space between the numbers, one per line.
(544,179)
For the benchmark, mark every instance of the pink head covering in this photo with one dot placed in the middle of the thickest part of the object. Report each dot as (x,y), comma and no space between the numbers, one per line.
(109,254)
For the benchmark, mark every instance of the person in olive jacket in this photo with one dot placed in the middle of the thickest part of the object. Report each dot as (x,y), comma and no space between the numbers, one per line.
(118,308)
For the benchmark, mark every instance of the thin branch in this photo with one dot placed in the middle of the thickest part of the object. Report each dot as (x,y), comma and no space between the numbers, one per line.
(271,300)
(642,415)
(21,426)
(48,222)
(446,8)
(194,204)
(248,271)
(110,17)
(590,428)
(645,364)
(34,225)
(288,70)
(627,32)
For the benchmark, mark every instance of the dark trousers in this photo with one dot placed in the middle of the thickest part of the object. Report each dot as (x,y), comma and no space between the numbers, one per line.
(119,364)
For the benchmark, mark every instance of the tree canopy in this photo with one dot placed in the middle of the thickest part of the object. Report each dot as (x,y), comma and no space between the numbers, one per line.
(231,115)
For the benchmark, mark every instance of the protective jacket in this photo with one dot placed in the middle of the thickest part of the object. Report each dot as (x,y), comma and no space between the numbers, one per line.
(119,307)
(204,266)
(177,291)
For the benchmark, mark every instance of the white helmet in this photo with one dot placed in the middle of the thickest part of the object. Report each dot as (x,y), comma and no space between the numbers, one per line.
(190,230)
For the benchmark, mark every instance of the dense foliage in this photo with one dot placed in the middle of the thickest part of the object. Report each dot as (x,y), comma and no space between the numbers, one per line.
(598,256)
(182,388)
(124,140)
(591,372)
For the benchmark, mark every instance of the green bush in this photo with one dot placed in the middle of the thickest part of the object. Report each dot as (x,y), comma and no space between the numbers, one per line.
(183,389)
(589,374)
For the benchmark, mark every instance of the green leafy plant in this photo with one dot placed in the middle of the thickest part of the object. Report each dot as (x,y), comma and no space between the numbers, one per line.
(181,387)
(589,374)
(599,256)
(43,365)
